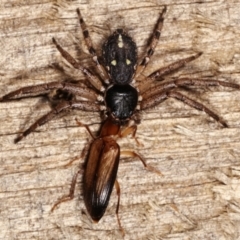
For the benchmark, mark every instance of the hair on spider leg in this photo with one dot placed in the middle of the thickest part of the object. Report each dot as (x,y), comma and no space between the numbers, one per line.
(115,94)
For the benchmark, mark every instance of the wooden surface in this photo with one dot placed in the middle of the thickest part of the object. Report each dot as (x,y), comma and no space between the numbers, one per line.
(199,195)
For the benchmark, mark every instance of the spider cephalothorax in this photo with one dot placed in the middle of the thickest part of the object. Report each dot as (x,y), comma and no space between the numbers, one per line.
(121,101)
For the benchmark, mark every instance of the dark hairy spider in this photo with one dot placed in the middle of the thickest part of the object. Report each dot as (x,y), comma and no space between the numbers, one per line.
(115,90)
(118,92)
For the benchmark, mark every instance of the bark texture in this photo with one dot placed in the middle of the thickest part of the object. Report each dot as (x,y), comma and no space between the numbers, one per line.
(198,196)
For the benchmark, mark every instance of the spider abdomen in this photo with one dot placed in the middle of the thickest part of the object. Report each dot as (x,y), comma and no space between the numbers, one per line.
(120,57)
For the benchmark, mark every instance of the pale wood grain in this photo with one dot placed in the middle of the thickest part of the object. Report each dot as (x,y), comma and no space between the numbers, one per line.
(197,198)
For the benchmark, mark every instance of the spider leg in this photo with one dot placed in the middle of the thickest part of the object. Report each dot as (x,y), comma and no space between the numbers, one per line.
(95,81)
(174,66)
(152,43)
(156,99)
(91,49)
(186,82)
(41,89)
(143,85)
(80,105)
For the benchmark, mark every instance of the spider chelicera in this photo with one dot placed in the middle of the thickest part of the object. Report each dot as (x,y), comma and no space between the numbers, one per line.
(114,89)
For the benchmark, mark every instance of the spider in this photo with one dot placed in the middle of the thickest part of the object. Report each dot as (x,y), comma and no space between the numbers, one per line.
(117,92)
(115,89)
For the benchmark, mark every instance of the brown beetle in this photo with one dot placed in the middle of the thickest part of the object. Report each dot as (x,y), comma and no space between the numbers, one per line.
(101,168)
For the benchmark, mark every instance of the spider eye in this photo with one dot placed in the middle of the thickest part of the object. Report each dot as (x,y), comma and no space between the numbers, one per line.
(128,62)
(114,62)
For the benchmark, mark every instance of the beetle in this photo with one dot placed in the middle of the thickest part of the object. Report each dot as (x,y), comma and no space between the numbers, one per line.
(100,172)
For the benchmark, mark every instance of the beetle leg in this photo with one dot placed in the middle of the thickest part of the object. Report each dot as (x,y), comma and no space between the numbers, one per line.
(152,43)
(87,128)
(83,155)
(156,99)
(80,105)
(95,81)
(85,149)
(130,130)
(70,196)
(117,186)
(129,153)
(91,49)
